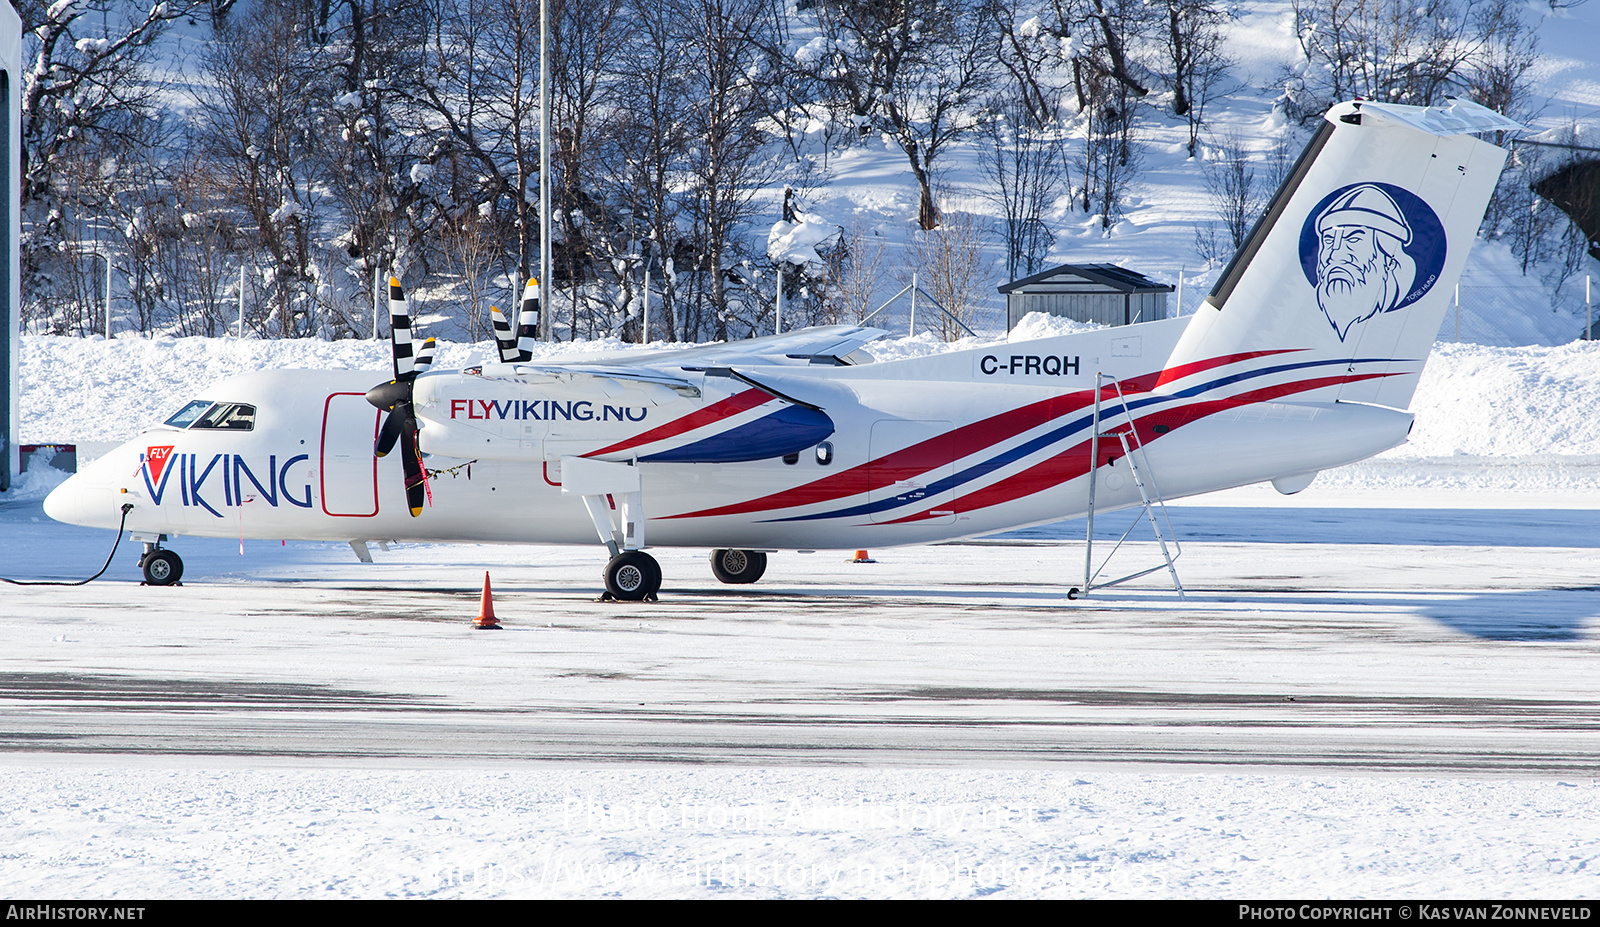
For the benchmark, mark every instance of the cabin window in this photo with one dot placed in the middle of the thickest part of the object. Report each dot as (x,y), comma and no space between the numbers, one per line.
(232,416)
(186,415)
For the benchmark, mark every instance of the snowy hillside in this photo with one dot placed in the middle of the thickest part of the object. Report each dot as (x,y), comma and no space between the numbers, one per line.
(1502,302)
(849,175)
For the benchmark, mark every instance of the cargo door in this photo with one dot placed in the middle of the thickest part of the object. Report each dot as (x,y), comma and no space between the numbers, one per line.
(349,469)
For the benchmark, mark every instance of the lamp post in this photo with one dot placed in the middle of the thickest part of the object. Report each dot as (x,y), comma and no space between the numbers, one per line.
(546,279)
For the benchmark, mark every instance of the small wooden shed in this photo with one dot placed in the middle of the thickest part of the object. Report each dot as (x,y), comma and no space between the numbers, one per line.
(1103,293)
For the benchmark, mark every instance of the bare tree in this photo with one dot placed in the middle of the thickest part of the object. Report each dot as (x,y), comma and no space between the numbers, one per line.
(912,70)
(367,155)
(259,122)
(1399,51)
(1497,75)
(86,103)
(1110,160)
(1115,26)
(1498,78)
(1194,54)
(1028,60)
(201,260)
(728,83)
(1027,170)
(949,265)
(476,100)
(646,155)
(854,266)
(586,36)
(1095,39)
(1232,186)
(470,241)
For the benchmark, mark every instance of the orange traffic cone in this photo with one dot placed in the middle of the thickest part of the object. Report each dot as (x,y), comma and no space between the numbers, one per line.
(486,618)
(862,557)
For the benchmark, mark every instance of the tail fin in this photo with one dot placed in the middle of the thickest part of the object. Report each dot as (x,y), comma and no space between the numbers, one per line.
(1351,269)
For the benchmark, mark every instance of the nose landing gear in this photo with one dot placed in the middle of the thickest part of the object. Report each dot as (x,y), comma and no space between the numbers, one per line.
(161,567)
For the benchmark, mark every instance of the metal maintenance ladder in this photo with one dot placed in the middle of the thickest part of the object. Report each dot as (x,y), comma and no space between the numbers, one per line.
(1139,467)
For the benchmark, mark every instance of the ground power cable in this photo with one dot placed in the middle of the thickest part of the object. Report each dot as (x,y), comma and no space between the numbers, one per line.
(126,508)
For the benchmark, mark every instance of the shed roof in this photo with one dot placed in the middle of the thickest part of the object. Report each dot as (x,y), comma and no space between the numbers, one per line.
(1087,278)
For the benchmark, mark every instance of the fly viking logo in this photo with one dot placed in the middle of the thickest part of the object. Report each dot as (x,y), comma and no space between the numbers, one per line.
(1370,248)
(155,470)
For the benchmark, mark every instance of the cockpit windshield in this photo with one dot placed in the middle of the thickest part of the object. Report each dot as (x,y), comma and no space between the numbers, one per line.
(233,415)
(202,413)
(186,415)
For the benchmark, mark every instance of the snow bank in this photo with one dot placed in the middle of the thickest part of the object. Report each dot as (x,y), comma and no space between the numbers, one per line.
(1507,402)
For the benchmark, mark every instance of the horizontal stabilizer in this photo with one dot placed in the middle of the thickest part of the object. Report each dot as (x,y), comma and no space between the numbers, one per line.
(1457,117)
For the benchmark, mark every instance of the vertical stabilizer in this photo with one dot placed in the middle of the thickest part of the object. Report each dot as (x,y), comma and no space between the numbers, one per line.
(1349,273)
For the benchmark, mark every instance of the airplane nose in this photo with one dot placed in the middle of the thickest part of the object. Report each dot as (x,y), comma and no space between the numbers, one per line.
(65,502)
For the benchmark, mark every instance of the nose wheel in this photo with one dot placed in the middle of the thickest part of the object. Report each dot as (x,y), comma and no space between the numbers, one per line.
(161,567)
(632,576)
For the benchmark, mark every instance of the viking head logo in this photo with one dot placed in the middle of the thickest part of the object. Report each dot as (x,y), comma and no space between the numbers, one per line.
(1370,248)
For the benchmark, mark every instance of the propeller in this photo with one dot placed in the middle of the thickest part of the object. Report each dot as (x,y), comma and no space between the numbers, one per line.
(519,346)
(503,337)
(394,397)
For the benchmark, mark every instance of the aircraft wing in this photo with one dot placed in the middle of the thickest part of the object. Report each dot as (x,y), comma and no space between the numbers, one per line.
(649,374)
(827,344)
(592,373)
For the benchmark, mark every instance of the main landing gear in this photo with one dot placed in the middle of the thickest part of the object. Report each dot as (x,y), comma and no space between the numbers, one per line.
(612,496)
(161,567)
(614,499)
(632,576)
(738,567)
(635,576)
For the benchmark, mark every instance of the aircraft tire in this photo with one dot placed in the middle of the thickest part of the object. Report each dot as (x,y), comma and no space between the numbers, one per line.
(161,568)
(633,576)
(738,567)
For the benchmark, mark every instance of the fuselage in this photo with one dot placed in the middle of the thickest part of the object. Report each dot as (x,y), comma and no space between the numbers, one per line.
(957,445)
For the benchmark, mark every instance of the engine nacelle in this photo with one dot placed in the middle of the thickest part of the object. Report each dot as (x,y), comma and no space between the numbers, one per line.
(508,412)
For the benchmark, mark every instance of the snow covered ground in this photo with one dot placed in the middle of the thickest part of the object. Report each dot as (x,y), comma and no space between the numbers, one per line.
(1327,713)
(1382,686)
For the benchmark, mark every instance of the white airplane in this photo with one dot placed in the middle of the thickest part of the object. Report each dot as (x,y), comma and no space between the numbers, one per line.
(1303,357)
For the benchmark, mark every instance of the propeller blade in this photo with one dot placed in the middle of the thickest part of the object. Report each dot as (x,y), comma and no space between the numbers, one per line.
(503,336)
(528,323)
(400,331)
(388,434)
(425,355)
(411,458)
